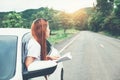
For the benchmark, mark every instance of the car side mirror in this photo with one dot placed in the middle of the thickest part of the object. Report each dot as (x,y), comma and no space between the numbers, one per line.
(39,68)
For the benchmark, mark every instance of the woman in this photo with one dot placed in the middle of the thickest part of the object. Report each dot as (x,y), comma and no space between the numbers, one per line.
(37,48)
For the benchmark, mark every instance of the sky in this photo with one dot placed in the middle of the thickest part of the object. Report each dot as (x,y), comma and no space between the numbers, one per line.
(64,5)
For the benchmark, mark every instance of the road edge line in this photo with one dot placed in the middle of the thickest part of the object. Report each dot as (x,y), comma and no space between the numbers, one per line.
(69,43)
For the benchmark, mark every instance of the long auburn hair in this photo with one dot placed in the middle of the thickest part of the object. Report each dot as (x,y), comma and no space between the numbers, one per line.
(38,29)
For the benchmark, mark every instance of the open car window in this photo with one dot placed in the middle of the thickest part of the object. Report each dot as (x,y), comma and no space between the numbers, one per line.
(8,52)
(35,70)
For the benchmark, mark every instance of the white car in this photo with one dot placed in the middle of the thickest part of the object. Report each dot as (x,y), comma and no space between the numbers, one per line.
(13,51)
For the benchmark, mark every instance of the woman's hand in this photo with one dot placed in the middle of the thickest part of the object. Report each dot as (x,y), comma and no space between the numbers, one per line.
(52,57)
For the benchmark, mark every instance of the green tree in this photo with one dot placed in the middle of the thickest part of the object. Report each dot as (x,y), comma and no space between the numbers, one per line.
(80,20)
(117,8)
(48,14)
(55,23)
(96,22)
(65,20)
(103,8)
(13,19)
(112,22)
(29,15)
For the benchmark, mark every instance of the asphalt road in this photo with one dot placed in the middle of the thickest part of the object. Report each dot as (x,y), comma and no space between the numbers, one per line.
(95,57)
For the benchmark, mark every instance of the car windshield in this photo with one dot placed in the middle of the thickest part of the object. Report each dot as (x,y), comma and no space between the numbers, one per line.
(8,50)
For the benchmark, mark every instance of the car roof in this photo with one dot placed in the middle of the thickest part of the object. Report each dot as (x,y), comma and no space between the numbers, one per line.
(14,31)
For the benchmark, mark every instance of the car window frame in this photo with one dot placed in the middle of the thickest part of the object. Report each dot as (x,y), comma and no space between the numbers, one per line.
(36,73)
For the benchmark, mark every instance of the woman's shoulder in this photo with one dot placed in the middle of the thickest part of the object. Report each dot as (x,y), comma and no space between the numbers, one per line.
(33,42)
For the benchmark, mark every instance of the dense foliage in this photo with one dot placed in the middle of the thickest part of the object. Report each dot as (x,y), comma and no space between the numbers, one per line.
(57,19)
(106,17)
(12,20)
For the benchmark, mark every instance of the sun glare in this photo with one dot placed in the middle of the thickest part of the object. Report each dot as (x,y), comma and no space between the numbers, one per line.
(72,5)
(65,5)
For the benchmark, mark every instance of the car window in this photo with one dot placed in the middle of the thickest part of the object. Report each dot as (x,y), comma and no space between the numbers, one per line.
(25,41)
(8,50)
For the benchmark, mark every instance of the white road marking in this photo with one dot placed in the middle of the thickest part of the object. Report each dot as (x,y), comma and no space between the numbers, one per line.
(68,43)
(101,45)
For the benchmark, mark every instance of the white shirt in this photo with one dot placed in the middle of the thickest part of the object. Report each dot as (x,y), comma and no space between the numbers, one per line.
(34,49)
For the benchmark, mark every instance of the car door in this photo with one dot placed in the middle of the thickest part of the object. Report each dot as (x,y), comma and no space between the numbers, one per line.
(36,69)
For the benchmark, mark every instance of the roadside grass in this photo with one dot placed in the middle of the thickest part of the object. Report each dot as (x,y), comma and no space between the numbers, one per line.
(59,35)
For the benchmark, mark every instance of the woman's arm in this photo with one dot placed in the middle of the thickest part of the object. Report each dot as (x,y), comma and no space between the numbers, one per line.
(29,60)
